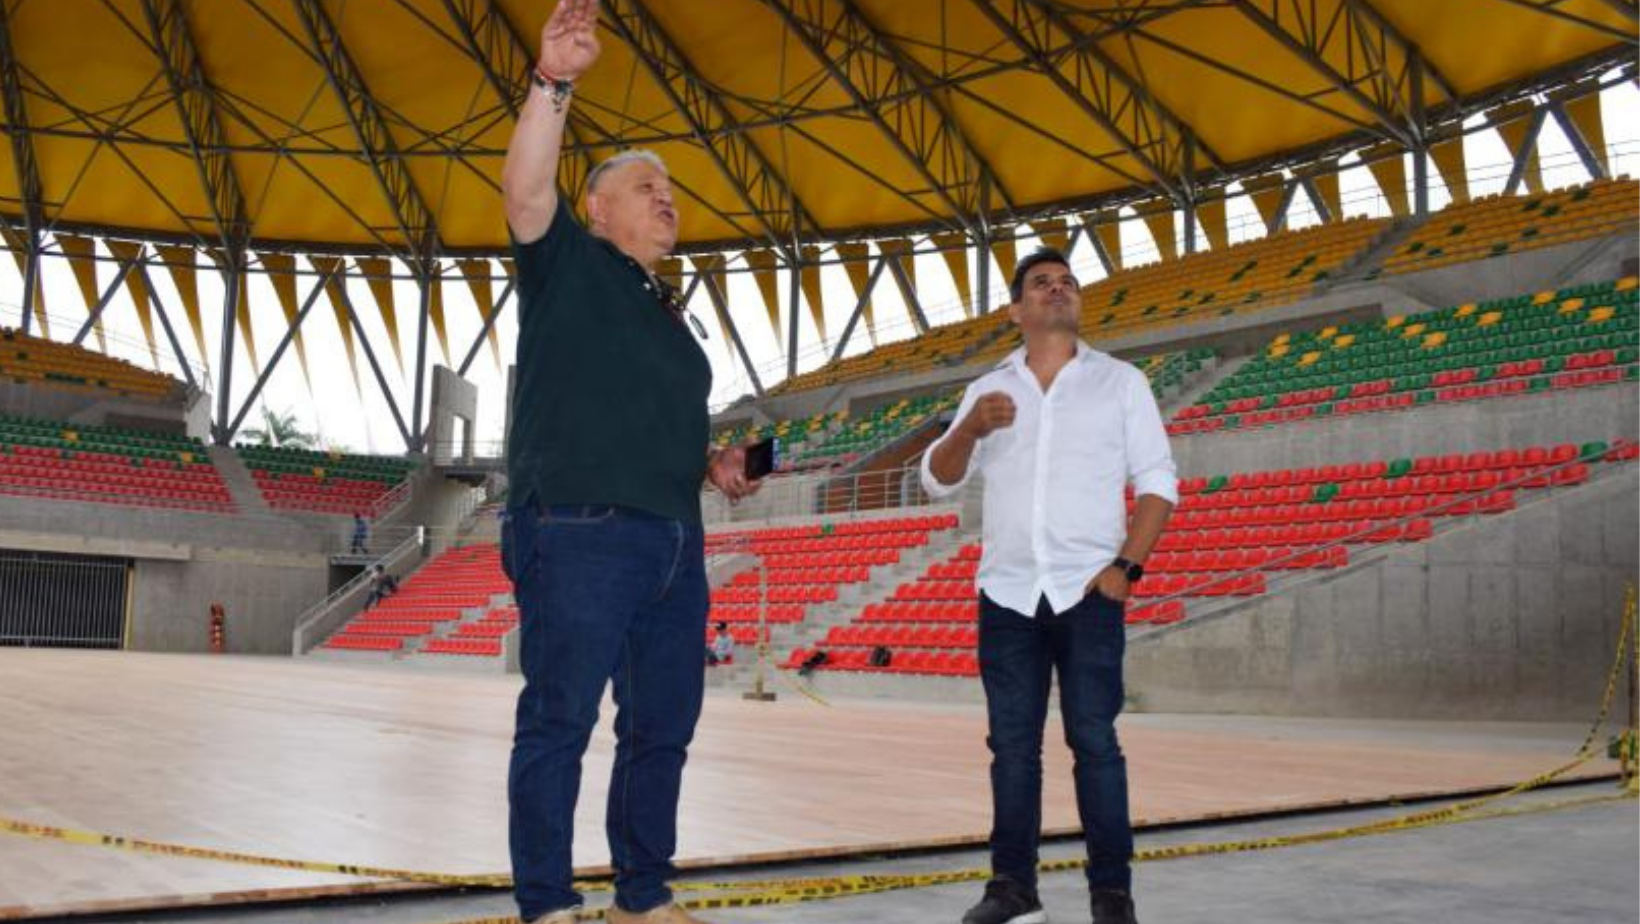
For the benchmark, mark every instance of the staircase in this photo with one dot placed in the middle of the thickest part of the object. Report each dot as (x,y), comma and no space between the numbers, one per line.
(1204,383)
(246,496)
(819,618)
(1364,265)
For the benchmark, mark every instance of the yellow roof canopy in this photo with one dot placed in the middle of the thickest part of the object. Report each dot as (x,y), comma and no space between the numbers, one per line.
(380,125)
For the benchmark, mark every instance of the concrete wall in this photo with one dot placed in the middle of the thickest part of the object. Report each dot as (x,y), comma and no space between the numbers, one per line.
(454,400)
(91,409)
(116,522)
(262,592)
(1517,273)
(436,502)
(1512,617)
(266,569)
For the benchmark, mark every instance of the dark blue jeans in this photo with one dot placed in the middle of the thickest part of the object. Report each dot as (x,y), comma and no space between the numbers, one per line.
(1018,656)
(604,593)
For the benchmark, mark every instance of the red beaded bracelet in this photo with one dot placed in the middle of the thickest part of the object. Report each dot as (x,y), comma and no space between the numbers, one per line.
(543,78)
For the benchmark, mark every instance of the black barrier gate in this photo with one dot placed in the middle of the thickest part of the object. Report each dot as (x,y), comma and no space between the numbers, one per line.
(62,601)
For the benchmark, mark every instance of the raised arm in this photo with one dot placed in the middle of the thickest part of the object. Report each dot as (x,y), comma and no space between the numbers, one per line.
(569,46)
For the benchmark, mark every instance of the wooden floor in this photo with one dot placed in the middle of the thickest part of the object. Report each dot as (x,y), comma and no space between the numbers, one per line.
(406,769)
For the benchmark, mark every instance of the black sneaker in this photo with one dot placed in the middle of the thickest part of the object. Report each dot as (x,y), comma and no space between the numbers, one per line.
(1006,902)
(1112,906)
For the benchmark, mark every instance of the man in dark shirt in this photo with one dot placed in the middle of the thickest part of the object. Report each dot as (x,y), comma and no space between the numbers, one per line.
(603,541)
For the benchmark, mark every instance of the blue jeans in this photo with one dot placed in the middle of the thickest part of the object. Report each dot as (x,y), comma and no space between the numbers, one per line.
(1017,658)
(605,593)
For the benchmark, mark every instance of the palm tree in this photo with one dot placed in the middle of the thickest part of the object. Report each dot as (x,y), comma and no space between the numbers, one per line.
(280,430)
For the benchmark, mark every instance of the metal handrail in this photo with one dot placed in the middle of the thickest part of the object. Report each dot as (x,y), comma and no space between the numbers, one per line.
(316,613)
(386,504)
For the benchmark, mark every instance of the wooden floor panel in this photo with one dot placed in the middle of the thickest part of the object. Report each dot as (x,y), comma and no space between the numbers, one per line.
(407,769)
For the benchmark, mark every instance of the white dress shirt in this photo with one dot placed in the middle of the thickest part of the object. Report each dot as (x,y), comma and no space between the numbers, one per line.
(1055,511)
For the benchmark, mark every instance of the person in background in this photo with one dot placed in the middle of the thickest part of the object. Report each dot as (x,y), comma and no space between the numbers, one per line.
(723,646)
(382,586)
(361,534)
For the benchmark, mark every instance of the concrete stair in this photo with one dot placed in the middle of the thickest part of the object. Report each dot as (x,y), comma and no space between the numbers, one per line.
(819,618)
(413,655)
(238,478)
(1201,385)
(1371,257)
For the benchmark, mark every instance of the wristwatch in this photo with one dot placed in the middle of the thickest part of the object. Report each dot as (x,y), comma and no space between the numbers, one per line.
(1132,569)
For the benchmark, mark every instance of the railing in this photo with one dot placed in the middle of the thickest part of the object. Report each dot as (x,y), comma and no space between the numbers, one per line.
(389,503)
(809,494)
(328,614)
(455,452)
(120,346)
(62,601)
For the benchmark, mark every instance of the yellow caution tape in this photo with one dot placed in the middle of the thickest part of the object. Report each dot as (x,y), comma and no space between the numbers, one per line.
(805,891)
(801,687)
(752,893)
(161,848)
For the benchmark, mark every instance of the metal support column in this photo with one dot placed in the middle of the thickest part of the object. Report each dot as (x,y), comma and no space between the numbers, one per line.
(102,303)
(232,264)
(1420,133)
(278,352)
(31,278)
(913,304)
(425,274)
(1287,194)
(1528,146)
(859,308)
(722,303)
(489,325)
(982,251)
(165,320)
(795,265)
(1321,207)
(1580,144)
(1106,260)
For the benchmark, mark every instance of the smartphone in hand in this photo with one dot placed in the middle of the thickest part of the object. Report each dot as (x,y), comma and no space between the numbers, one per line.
(762,458)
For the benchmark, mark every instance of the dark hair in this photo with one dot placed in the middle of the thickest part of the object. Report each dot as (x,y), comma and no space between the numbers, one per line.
(722,626)
(1016,288)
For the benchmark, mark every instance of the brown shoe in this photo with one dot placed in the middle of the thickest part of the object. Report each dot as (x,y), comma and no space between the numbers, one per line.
(665,914)
(562,916)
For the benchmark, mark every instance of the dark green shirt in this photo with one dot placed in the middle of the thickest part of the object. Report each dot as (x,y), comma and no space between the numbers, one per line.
(609,401)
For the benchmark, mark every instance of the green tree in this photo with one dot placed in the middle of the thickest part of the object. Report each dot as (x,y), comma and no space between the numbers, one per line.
(280,430)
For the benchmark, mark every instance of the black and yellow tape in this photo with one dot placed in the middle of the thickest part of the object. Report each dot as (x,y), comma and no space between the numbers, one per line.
(755,893)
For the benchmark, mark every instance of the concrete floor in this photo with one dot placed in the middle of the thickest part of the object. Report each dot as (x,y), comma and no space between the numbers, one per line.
(1569,866)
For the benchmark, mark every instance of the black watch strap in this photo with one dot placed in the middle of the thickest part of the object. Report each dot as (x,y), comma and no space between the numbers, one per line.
(1133,570)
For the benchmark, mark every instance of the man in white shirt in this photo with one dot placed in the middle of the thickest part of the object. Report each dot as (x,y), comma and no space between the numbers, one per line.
(1058,431)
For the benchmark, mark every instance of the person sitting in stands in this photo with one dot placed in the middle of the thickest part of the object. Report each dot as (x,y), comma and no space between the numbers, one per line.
(382,586)
(811,663)
(723,646)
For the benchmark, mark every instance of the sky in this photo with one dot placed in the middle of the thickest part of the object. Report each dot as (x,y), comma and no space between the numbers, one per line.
(356,418)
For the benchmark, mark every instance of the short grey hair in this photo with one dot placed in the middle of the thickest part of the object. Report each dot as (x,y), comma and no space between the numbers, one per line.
(620,159)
